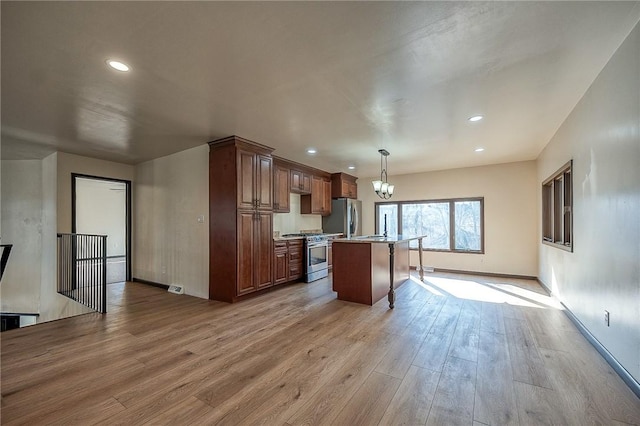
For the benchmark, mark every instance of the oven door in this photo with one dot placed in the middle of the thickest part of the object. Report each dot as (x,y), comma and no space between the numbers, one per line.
(317,256)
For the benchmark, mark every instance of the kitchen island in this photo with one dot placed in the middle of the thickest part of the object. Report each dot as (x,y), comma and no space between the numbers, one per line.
(365,269)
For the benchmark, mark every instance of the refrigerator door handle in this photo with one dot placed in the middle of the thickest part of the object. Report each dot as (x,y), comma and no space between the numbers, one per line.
(353,225)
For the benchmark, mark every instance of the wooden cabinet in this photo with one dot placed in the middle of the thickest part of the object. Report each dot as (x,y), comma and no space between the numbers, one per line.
(344,186)
(326,197)
(240,218)
(295,251)
(287,261)
(255,180)
(319,201)
(300,182)
(254,251)
(280,262)
(281,189)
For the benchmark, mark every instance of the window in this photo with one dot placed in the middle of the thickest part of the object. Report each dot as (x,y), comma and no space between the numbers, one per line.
(454,225)
(557,211)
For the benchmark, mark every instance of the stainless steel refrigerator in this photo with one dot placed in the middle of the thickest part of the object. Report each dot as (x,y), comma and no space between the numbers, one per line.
(345,217)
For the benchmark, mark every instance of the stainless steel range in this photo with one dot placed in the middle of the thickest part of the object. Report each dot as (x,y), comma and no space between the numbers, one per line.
(316,255)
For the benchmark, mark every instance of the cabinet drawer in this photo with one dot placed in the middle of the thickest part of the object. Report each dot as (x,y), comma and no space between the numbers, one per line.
(279,245)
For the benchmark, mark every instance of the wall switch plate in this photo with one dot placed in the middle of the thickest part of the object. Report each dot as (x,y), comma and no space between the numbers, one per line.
(176,289)
(201,219)
(606,318)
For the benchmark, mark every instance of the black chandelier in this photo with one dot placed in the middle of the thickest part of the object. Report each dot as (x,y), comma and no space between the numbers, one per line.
(383,188)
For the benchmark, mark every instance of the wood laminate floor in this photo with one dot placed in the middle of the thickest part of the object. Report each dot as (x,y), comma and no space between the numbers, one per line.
(461,350)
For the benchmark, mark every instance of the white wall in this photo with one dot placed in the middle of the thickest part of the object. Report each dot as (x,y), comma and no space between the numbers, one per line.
(69,163)
(171,246)
(510,200)
(53,306)
(22,227)
(29,203)
(294,222)
(101,208)
(602,136)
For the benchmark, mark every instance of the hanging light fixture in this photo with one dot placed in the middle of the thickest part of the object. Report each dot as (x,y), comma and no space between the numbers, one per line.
(383,188)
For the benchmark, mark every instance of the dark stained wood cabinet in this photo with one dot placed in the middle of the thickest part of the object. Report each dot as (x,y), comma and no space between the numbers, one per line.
(300,182)
(255,180)
(319,201)
(280,262)
(287,261)
(240,218)
(281,188)
(344,186)
(296,255)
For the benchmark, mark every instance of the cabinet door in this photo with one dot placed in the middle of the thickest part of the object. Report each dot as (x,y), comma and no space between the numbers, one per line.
(353,190)
(325,210)
(263,250)
(246,243)
(317,194)
(349,189)
(300,182)
(306,183)
(280,265)
(281,190)
(295,260)
(264,182)
(246,163)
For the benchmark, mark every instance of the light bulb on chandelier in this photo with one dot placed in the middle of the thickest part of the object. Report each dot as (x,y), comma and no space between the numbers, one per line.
(383,188)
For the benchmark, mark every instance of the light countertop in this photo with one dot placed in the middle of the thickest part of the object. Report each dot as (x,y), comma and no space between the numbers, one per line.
(379,239)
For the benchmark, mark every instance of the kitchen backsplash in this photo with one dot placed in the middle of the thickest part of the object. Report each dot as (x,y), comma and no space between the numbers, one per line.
(293,222)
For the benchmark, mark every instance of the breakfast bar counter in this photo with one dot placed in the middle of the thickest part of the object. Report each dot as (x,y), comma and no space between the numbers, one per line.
(365,269)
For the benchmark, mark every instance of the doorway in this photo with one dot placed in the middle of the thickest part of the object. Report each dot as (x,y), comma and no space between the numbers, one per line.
(103,206)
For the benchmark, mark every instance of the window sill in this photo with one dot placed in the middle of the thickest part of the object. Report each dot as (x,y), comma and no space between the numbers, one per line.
(560,246)
(448,251)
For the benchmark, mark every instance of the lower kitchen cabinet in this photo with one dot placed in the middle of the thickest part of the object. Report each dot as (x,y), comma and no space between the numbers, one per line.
(295,251)
(287,261)
(280,262)
(255,238)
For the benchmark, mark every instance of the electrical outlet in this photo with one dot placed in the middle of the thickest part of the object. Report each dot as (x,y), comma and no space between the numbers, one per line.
(176,289)
(606,318)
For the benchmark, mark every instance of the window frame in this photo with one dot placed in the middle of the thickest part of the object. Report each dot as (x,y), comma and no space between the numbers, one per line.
(452,213)
(557,208)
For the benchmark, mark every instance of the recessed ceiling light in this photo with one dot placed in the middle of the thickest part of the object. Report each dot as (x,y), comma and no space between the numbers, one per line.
(311,151)
(476,118)
(479,149)
(117,65)
(351,167)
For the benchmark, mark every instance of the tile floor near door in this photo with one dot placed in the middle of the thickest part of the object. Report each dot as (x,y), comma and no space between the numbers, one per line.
(462,350)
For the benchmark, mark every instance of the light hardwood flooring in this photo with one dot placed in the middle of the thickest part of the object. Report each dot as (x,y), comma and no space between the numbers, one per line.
(455,350)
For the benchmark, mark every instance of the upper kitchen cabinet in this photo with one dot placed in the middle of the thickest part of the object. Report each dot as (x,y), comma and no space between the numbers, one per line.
(319,201)
(300,182)
(344,186)
(240,218)
(281,188)
(255,179)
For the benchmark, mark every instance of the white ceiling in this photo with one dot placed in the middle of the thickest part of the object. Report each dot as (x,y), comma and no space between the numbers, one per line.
(346,78)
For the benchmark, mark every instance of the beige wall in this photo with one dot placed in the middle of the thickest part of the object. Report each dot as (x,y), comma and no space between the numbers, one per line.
(171,246)
(69,163)
(602,136)
(294,222)
(510,215)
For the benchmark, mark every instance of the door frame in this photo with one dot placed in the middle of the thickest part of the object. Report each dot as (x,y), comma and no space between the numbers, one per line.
(128,210)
